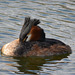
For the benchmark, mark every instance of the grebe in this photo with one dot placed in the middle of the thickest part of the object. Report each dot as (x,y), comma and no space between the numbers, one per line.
(32,42)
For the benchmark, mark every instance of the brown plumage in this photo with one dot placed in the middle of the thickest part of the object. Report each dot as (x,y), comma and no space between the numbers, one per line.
(32,42)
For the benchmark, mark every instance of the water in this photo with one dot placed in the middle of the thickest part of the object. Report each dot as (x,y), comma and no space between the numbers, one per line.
(57,19)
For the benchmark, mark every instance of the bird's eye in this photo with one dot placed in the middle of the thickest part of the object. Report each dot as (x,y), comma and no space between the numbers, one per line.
(25,38)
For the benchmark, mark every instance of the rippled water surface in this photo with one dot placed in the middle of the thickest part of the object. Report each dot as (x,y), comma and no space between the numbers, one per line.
(57,19)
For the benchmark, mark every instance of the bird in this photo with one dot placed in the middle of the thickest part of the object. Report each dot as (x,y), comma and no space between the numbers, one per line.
(33,42)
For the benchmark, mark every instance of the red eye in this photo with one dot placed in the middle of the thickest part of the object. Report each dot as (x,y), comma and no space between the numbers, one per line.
(26,37)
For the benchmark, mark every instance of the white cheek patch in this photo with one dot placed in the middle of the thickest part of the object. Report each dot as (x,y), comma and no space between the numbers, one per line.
(28,37)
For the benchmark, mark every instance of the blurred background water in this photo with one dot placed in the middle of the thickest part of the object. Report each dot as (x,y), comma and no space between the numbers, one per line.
(58,21)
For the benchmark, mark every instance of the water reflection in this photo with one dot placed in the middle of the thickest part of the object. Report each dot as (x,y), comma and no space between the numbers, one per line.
(34,65)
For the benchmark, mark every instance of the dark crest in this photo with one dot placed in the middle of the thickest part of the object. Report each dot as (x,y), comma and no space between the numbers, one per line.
(27,27)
